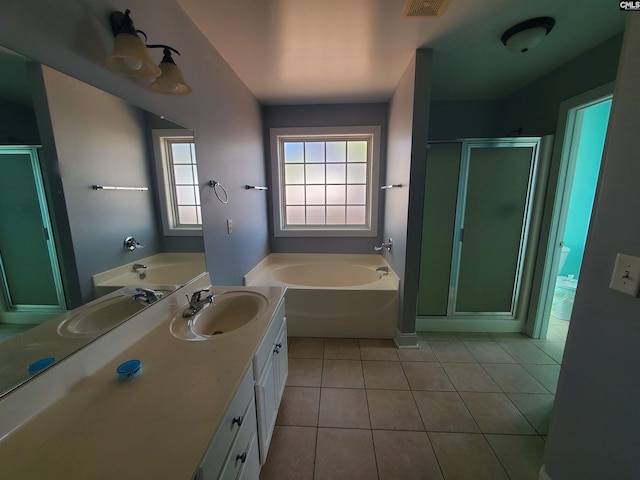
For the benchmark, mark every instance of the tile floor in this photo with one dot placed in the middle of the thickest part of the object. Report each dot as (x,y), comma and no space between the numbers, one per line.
(461,406)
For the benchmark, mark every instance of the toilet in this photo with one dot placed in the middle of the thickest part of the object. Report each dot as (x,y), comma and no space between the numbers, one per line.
(565,290)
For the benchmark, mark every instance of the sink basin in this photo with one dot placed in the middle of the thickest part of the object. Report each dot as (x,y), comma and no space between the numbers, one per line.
(100,316)
(229,311)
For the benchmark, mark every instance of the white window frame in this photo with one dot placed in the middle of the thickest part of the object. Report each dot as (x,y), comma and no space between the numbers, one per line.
(166,186)
(279,135)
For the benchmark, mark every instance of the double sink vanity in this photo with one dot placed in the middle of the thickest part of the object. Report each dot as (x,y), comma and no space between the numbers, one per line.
(202,407)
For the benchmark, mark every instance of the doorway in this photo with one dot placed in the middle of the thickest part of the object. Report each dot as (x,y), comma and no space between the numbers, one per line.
(585,124)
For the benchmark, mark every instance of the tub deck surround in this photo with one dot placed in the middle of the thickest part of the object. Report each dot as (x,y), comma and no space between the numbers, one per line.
(157,425)
(163,269)
(333,295)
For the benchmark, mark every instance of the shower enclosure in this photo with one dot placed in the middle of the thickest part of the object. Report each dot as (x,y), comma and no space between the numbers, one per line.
(477,213)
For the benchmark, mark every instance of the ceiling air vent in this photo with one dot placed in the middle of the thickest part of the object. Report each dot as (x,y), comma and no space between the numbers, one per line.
(425,8)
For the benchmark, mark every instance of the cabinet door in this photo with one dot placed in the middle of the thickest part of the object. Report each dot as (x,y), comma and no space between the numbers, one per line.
(267,405)
(281,360)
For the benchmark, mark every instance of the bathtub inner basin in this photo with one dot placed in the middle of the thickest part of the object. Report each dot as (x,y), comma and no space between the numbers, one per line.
(326,275)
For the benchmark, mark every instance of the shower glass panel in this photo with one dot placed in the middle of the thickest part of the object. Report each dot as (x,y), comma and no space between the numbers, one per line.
(493,227)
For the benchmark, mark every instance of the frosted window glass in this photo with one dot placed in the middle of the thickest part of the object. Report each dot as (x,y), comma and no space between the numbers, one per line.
(294,174)
(185,195)
(336,152)
(336,173)
(188,215)
(357,173)
(295,195)
(295,216)
(183,174)
(357,151)
(181,152)
(315,216)
(314,152)
(356,194)
(315,195)
(293,152)
(335,215)
(335,195)
(356,215)
(315,173)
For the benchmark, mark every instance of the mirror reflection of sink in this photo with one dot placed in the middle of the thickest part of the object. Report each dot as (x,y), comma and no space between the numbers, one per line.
(100,316)
(229,311)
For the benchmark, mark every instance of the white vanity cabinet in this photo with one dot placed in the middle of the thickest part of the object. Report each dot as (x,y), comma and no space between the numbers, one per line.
(233,454)
(270,366)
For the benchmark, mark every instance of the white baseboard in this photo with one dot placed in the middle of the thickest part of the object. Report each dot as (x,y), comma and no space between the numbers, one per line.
(406,340)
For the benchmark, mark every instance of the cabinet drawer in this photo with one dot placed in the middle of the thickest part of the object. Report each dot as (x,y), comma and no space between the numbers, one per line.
(238,414)
(241,455)
(268,341)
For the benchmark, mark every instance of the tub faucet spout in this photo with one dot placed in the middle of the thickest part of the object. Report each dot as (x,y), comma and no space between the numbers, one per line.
(386,245)
(383,269)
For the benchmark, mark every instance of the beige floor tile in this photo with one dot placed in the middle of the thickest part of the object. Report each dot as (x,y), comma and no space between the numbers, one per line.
(509,337)
(536,407)
(378,349)
(466,456)
(494,413)
(444,412)
(342,374)
(474,337)
(345,454)
(513,378)
(526,352)
(304,372)
(547,375)
(489,352)
(554,349)
(470,377)
(306,347)
(341,349)
(421,354)
(379,374)
(426,376)
(438,336)
(393,410)
(291,454)
(452,352)
(343,408)
(299,407)
(521,456)
(405,455)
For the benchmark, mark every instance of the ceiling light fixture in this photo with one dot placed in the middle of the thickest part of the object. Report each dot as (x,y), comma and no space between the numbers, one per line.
(525,35)
(131,56)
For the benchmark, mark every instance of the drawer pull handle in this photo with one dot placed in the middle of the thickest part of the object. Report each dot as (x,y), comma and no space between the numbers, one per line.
(238,420)
(276,350)
(279,345)
(242,457)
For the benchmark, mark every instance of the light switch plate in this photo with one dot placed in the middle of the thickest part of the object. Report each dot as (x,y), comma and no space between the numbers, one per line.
(229,226)
(626,275)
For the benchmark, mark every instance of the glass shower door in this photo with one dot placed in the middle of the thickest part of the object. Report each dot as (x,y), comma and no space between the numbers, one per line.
(494,205)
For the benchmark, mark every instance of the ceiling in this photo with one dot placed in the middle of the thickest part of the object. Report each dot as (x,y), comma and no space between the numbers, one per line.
(351,51)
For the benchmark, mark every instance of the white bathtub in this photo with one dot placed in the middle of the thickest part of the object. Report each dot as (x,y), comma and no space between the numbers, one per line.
(164,271)
(333,295)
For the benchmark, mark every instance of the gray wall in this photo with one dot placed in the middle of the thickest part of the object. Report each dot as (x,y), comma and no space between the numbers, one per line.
(99,139)
(595,428)
(325,116)
(406,155)
(75,37)
(18,125)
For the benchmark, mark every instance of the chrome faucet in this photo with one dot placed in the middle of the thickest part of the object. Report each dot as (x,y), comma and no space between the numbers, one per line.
(384,269)
(151,296)
(197,303)
(136,266)
(386,245)
(139,269)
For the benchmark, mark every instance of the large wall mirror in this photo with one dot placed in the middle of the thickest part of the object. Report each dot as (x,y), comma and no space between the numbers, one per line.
(58,137)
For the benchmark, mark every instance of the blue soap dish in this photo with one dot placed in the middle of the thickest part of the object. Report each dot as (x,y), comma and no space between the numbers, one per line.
(40,364)
(129,369)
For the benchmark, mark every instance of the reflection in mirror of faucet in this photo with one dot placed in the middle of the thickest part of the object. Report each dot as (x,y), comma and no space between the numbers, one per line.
(151,296)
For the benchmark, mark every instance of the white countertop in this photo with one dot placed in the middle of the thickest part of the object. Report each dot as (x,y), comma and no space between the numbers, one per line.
(155,426)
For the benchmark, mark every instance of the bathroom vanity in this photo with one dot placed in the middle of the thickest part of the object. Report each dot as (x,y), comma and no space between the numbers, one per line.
(199,409)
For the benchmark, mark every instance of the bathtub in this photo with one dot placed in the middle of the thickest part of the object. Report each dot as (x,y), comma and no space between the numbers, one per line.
(333,295)
(165,271)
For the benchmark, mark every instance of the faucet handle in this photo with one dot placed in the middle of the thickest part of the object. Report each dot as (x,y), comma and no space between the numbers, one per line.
(195,297)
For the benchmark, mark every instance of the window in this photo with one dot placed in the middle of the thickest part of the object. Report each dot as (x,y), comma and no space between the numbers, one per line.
(178,181)
(325,181)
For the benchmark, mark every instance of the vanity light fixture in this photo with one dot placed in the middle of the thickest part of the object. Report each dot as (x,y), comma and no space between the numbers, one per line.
(131,56)
(525,35)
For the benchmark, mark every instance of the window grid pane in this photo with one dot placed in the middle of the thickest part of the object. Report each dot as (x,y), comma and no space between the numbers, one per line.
(185,191)
(326,182)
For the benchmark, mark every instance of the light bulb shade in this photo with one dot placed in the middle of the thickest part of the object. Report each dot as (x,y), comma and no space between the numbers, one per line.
(131,56)
(171,82)
(524,36)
